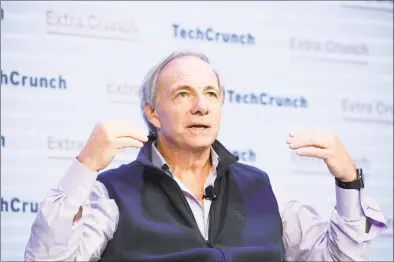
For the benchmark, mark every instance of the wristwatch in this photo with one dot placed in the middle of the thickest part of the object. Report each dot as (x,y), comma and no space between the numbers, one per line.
(356,184)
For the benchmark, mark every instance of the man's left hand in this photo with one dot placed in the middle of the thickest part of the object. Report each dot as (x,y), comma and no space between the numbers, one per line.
(327,146)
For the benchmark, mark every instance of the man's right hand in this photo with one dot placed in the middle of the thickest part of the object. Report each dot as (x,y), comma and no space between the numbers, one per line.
(106,140)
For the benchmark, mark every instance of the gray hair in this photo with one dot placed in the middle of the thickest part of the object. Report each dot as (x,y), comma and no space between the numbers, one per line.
(149,87)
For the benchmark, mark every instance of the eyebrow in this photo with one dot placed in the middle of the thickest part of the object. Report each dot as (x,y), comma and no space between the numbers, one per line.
(186,87)
(211,88)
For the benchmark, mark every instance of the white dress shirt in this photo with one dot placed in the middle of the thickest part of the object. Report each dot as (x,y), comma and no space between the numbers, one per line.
(306,236)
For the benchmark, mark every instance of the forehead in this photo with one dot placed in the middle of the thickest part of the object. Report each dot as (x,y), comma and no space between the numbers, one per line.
(190,71)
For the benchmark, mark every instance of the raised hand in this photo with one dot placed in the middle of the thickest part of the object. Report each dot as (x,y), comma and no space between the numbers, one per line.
(327,146)
(106,140)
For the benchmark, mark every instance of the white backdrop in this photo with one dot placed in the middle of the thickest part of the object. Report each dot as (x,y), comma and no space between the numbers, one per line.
(90,58)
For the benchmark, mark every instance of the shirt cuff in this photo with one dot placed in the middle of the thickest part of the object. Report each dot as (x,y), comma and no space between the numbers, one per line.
(355,208)
(352,204)
(77,183)
(349,203)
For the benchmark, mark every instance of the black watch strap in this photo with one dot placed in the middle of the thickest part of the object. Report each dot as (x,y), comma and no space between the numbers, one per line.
(356,184)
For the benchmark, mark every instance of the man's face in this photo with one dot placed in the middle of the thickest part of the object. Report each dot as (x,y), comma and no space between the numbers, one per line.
(188,103)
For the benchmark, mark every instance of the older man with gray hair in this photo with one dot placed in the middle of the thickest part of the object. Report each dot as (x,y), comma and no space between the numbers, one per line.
(186,197)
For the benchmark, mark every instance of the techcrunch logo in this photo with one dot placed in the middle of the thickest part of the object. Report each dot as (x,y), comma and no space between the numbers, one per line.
(266,99)
(211,35)
(16,78)
(16,205)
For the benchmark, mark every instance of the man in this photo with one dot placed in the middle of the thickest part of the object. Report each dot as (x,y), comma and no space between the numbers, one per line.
(154,208)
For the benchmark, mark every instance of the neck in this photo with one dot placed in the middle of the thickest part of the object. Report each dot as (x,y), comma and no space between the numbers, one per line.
(186,162)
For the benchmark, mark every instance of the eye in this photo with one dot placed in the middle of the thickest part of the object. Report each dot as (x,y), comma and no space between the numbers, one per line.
(182,94)
(213,94)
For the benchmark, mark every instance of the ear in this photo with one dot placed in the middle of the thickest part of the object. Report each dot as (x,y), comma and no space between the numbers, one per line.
(151,115)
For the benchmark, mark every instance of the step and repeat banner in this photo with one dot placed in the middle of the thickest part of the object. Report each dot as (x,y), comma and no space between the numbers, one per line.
(284,65)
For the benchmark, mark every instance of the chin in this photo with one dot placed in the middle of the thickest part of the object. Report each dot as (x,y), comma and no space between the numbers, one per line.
(199,142)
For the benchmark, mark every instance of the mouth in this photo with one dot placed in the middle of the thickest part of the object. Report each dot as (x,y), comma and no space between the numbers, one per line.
(199,126)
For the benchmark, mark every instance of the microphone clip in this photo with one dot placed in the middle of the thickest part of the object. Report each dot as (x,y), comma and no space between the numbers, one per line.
(210,193)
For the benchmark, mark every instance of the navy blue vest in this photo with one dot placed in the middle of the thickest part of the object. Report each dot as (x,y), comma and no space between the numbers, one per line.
(157,224)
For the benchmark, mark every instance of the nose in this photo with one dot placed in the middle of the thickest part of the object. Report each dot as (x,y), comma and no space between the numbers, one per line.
(200,106)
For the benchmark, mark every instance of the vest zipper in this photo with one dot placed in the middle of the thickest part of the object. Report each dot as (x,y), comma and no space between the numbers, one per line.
(208,242)
(189,210)
(221,254)
(185,204)
(211,245)
(210,231)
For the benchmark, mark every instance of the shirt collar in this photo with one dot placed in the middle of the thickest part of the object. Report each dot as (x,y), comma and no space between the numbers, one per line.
(158,160)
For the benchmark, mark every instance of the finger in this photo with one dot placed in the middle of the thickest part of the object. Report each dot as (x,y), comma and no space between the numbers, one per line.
(316,137)
(297,136)
(308,143)
(312,152)
(291,140)
(305,132)
(125,129)
(300,133)
(123,142)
